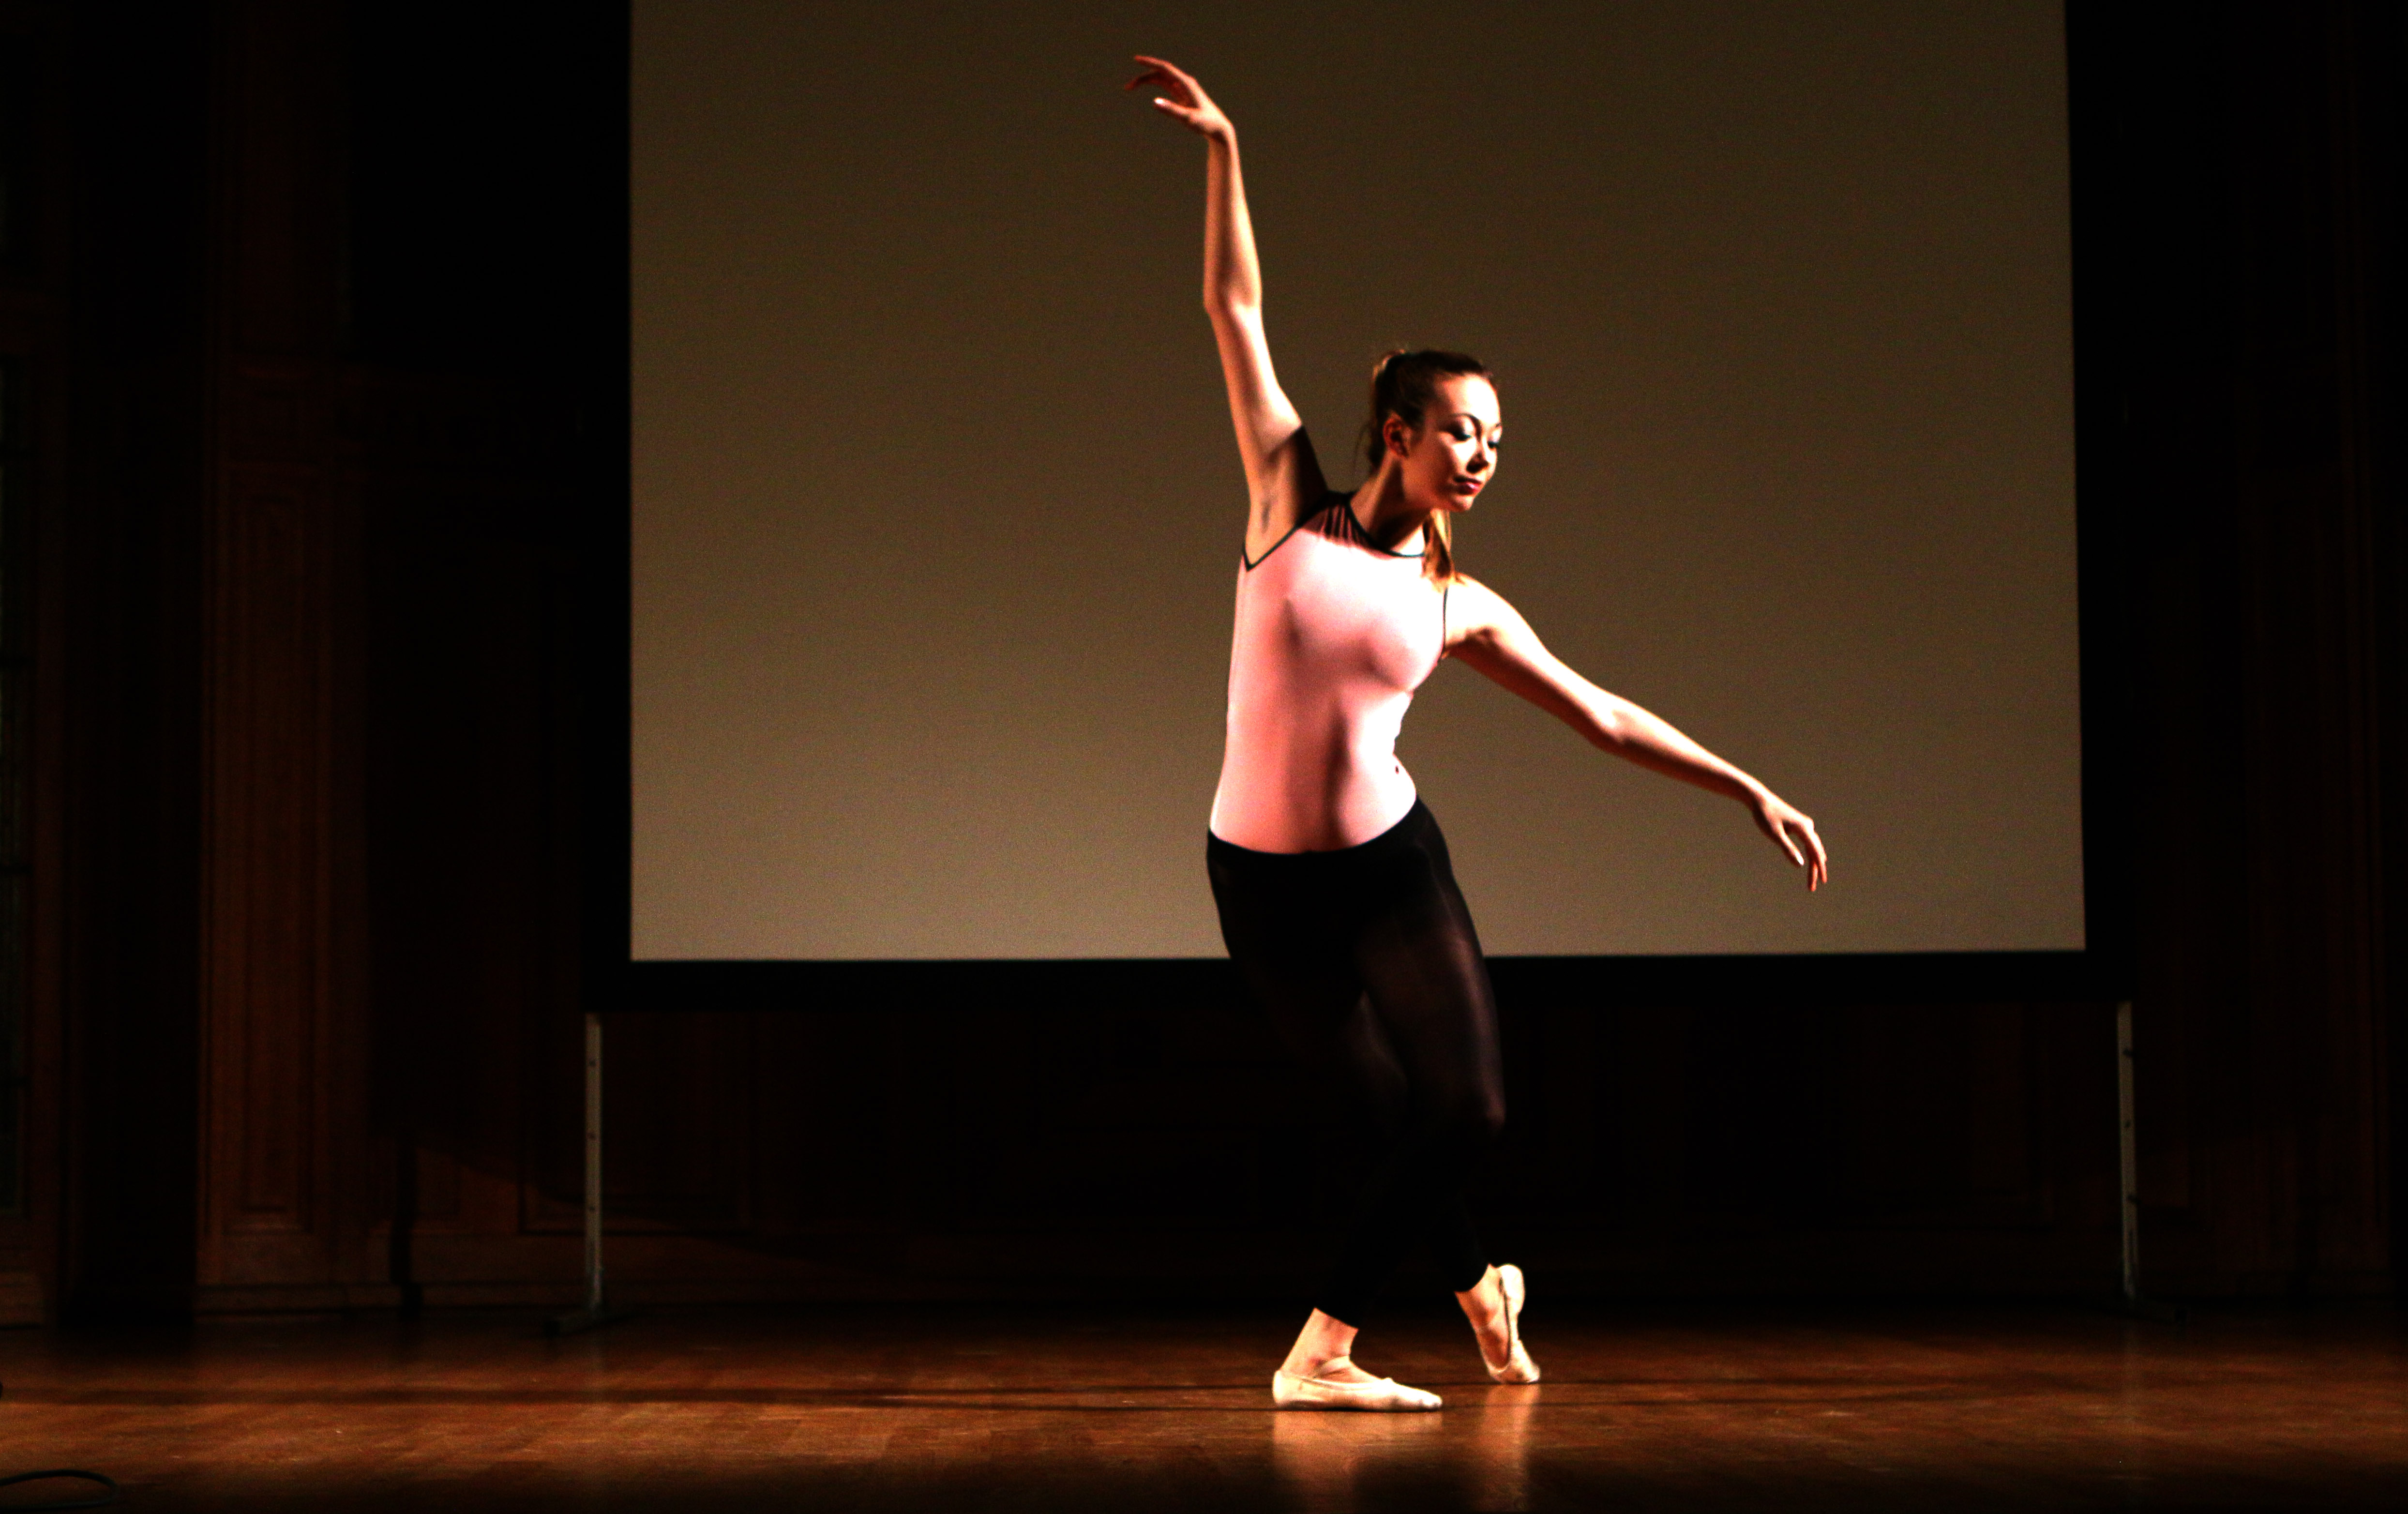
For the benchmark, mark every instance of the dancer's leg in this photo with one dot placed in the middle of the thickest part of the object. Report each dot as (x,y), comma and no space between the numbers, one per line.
(1289,945)
(1327,1024)
(1429,981)
(1435,1015)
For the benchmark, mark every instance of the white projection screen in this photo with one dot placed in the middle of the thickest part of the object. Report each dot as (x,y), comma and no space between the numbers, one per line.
(936,513)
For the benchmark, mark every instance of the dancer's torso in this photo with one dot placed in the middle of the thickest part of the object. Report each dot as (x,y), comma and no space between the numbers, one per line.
(1333,635)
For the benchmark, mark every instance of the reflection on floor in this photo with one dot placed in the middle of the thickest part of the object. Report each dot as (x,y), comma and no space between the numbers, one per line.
(1904,1409)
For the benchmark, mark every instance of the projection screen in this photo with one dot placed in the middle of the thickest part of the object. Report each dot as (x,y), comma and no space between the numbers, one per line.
(936,513)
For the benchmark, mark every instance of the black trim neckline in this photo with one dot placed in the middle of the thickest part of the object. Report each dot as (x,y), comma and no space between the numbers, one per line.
(1354,534)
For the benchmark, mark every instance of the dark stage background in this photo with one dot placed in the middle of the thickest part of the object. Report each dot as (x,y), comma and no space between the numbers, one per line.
(314,323)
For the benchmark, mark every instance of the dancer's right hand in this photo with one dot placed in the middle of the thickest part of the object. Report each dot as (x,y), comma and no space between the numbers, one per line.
(1183,99)
(1793,831)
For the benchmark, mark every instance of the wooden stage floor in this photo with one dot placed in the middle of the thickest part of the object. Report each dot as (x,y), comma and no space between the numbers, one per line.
(1957,1410)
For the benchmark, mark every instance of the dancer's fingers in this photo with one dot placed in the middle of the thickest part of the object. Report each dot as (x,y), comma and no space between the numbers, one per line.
(1176,81)
(1172,76)
(1822,859)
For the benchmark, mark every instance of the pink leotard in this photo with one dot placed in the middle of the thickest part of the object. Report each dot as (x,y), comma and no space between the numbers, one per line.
(1334,634)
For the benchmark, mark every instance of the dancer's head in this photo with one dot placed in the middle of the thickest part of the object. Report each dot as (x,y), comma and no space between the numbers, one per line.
(1435,419)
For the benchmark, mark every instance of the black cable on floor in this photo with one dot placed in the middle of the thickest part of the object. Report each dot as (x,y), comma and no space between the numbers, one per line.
(108,1494)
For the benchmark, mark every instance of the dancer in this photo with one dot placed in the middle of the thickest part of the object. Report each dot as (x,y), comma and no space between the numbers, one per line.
(1335,893)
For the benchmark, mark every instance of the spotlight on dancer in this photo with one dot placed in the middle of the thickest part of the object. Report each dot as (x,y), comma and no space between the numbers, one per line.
(1337,900)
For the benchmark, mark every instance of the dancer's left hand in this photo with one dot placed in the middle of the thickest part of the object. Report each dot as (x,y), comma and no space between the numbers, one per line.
(1183,99)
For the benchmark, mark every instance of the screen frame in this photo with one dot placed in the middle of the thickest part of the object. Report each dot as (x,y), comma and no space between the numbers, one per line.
(2102,972)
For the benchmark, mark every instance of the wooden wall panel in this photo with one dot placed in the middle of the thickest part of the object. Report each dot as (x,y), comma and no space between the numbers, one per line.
(267,897)
(121,599)
(34,337)
(280,1016)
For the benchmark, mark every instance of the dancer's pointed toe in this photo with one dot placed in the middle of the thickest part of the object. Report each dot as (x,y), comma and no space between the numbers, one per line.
(1517,1367)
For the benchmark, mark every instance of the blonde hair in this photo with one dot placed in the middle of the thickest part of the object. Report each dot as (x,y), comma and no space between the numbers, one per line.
(1403,384)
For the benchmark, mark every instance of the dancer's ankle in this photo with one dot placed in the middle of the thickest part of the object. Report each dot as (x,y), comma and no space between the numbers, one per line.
(1485,1295)
(1325,1345)
(1485,1311)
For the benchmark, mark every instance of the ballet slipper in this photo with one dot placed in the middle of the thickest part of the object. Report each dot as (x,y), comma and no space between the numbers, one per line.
(1379,1395)
(1518,1367)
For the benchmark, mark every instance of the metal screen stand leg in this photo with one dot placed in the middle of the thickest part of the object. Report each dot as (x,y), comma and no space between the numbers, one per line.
(2128,1151)
(2129,1174)
(595,1311)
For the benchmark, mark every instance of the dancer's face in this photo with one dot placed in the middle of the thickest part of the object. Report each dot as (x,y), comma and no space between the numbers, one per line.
(1452,455)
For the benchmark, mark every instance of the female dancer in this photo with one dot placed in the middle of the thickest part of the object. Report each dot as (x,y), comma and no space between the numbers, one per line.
(1335,893)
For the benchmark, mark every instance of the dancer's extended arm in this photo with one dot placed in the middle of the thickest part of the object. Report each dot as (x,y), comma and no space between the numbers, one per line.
(1282,476)
(1491,635)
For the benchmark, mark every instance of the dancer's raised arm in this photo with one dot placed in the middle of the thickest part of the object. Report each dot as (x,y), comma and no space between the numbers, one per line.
(1493,638)
(1284,478)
